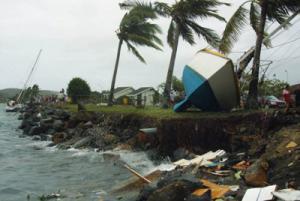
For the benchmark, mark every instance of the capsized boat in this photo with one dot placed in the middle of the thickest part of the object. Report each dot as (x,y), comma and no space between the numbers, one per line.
(209,83)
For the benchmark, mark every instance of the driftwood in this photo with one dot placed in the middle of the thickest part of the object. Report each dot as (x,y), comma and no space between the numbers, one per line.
(137,174)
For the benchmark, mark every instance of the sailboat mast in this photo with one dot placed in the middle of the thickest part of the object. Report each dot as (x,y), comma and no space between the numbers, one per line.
(30,74)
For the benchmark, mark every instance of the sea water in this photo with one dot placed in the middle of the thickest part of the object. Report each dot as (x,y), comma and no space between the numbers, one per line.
(30,169)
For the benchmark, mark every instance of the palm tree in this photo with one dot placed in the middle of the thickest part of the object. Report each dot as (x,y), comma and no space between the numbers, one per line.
(184,15)
(136,29)
(260,12)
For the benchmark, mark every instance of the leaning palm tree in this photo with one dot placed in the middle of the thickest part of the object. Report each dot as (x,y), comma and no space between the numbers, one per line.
(184,15)
(134,30)
(260,12)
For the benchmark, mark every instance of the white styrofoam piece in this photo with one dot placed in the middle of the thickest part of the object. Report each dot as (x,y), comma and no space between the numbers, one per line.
(287,194)
(259,194)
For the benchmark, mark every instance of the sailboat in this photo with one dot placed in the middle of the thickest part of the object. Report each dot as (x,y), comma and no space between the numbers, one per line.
(15,105)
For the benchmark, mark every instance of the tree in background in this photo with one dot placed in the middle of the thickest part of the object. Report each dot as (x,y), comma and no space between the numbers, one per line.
(177,88)
(261,11)
(135,29)
(177,85)
(184,16)
(266,87)
(25,96)
(95,97)
(35,90)
(79,90)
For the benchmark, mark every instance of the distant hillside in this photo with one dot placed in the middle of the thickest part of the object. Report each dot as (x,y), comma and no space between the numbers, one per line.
(11,92)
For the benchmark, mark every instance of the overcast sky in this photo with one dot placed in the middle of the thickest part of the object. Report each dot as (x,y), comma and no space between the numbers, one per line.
(78,40)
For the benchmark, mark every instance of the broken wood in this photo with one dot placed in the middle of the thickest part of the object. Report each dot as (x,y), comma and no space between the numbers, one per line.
(137,174)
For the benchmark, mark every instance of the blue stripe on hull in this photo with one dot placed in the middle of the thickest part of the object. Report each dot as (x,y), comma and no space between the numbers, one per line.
(204,98)
(198,92)
(191,80)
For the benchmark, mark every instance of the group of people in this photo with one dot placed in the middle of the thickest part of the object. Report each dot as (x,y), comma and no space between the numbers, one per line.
(60,98)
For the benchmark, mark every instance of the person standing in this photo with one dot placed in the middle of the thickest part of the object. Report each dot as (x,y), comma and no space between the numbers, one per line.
(287,98)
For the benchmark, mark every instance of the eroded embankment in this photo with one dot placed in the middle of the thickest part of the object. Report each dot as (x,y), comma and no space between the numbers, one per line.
(232,132)
(235,132)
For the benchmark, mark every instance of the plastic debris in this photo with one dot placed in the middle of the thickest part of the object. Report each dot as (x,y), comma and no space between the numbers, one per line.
(238,175)
(243,165)
(200,192)
(220,172)
(287,194)
(259,194)
(217,191)
(291,145)
(204,159)
(234,188)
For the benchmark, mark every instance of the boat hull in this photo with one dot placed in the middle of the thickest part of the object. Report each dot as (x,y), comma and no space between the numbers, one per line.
(210,83)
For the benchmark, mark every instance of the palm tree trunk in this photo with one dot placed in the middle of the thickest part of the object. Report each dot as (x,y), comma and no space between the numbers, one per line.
(167,90)
(111,93)
(252,102)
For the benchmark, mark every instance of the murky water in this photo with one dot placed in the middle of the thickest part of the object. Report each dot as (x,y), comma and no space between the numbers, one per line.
(31,169)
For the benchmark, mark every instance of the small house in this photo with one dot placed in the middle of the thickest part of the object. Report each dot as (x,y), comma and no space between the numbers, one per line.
(119,93)
(143,94)
(122,91)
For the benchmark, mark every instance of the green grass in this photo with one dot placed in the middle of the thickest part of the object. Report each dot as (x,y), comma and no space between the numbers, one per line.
(154,112)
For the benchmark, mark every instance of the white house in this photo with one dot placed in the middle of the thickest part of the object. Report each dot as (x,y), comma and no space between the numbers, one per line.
(146,94)
(122,91)
(118,92)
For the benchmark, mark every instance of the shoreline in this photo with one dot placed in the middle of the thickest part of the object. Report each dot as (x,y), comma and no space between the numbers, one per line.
(255,135)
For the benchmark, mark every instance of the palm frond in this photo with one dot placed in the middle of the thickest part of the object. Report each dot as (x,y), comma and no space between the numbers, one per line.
(287,6)
(136,28)
(146,27)
(254,16)
(134,51)
(142,41)
(196,8)
(129,4)
(215,15)
(267,42)
(277,13)
(210,36)
(162,9)
(171,34)
(146,30)
(142,9)
(186,33)
(233,29)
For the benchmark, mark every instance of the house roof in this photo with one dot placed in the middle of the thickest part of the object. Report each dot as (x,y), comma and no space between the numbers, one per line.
(118,89)
(140,90)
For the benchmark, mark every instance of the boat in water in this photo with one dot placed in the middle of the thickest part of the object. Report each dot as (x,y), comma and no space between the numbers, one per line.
(210,83)
(12,106)
(15,105)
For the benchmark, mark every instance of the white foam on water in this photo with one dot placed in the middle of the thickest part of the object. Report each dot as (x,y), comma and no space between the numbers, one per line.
(141,162)
(51,149)
(137,160)
(79,152)
(39,144)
